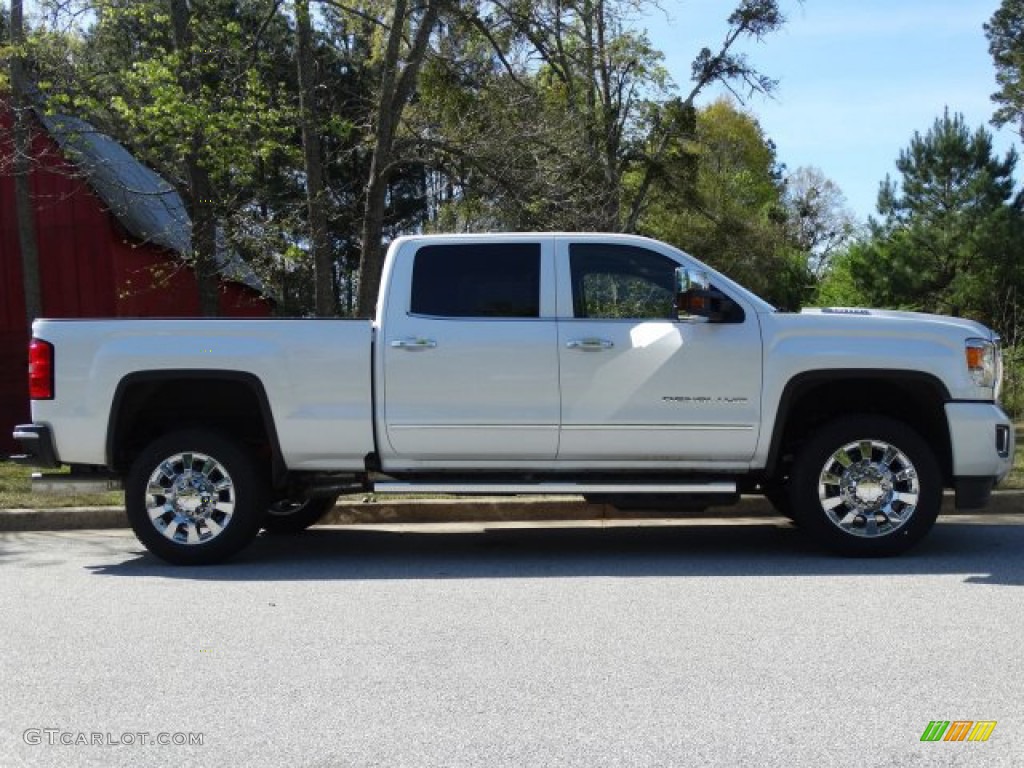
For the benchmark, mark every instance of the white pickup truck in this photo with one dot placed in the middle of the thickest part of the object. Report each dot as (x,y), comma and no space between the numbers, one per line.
(606,365)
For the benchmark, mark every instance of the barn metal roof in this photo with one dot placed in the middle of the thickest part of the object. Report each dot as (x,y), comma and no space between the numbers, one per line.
(145,204)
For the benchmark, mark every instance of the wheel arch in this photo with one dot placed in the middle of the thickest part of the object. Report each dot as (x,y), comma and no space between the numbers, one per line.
(812,399)
(147,404)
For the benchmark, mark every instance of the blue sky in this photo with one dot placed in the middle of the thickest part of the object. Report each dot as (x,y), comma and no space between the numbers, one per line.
(857,77)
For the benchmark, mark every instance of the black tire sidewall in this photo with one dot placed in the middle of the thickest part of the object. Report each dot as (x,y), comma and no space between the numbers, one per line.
(251,496)
(311,511)
(817,450)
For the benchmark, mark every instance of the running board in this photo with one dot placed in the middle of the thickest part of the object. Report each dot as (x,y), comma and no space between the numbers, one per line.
(72,485)
(499,489)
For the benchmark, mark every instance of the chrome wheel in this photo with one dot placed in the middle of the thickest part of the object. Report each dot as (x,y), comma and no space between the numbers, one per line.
(196,496)
(866,485)
(869,488)
(190,498)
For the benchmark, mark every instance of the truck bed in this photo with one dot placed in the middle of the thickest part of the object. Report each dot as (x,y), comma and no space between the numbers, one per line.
(314,374)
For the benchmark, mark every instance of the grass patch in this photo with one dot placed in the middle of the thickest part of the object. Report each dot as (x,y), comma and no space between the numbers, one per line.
(16,491)
(1015,480)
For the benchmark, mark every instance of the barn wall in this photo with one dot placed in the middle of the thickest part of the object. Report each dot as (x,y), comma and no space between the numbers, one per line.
(89,267)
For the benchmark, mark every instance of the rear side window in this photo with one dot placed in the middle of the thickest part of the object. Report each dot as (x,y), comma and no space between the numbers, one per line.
(477,280)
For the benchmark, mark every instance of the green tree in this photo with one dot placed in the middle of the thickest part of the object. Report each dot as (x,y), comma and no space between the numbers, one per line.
(192,88)
(819,221)
(949,233)
(323,266)
(557,114)
(733,218)
(1005,33)
(409,29)
(22,154)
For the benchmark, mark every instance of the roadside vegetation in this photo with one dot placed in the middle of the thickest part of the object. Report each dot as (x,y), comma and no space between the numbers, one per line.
(1016,479)
(16,492)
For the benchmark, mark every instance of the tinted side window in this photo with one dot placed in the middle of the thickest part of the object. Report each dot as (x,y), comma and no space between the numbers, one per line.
(477,280)
(621,281)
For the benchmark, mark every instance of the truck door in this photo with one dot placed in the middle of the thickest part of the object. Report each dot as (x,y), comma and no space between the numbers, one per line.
(637,384)
(470,360)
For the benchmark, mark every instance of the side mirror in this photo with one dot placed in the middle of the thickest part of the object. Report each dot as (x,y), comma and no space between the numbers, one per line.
(693,303)
(697,301)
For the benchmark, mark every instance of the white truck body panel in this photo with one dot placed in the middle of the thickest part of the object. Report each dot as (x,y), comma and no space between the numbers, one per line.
(483,388)
(316,374)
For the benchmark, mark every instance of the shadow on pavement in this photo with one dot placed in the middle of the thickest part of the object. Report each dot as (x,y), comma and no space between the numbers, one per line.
(981,553)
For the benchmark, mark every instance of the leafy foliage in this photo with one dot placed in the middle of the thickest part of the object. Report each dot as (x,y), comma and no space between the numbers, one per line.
(502,114)
(819,221)
(1005,32)
(950,233)
(733,216)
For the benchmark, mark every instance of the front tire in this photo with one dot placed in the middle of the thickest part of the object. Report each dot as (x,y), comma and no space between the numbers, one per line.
(866,486)
(195,497)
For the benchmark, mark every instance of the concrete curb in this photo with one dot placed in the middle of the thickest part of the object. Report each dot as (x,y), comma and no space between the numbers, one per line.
(484,510)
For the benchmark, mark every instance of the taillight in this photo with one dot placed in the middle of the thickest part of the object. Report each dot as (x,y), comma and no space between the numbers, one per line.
(40,370)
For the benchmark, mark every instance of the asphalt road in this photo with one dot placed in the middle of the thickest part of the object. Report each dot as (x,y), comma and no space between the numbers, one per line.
(732,643)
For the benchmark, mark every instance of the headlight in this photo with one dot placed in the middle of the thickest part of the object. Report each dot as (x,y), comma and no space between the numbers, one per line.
(983,362)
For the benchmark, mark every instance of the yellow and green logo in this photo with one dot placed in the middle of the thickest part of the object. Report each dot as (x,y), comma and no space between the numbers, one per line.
(958,730)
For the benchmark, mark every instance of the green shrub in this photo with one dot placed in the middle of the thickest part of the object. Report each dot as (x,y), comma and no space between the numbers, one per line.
(1013,381)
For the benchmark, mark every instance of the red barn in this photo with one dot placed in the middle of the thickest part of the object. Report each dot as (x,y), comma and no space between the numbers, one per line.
(113,239)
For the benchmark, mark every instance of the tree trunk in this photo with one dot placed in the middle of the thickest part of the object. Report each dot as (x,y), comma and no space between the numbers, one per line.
(22,167)
(204,234)
(395,90)
(323,264)
(200,195)
(371,261)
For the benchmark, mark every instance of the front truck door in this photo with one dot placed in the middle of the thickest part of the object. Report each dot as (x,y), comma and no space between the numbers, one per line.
(637,384)
(470,358)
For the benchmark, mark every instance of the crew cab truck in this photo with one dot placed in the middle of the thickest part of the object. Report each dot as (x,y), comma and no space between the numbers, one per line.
(613,366)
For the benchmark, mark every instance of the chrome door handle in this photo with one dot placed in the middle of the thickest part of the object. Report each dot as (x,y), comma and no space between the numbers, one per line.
(589,344)
(413,343)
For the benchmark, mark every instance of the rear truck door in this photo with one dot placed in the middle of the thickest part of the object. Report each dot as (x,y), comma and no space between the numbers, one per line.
(639,385)
(470,360)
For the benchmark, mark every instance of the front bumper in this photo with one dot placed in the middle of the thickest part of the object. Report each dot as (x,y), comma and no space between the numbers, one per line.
(37,442)
(983,441)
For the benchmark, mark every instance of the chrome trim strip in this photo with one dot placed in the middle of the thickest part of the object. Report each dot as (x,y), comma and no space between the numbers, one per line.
(660,427)
(590,427)
(473,426)
(553,488)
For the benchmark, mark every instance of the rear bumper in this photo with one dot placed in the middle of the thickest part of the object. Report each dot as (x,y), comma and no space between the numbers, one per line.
(983,441)
(37,443)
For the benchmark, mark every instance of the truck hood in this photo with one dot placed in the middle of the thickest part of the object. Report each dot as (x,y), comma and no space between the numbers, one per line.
(911,321)
(873,339)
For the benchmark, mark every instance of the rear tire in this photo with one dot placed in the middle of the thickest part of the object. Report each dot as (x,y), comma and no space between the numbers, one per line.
(866,486)
(195,497)
(286,517)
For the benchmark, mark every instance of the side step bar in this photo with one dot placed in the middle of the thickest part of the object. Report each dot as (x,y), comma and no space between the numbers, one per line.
(71,485)
(499,489)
